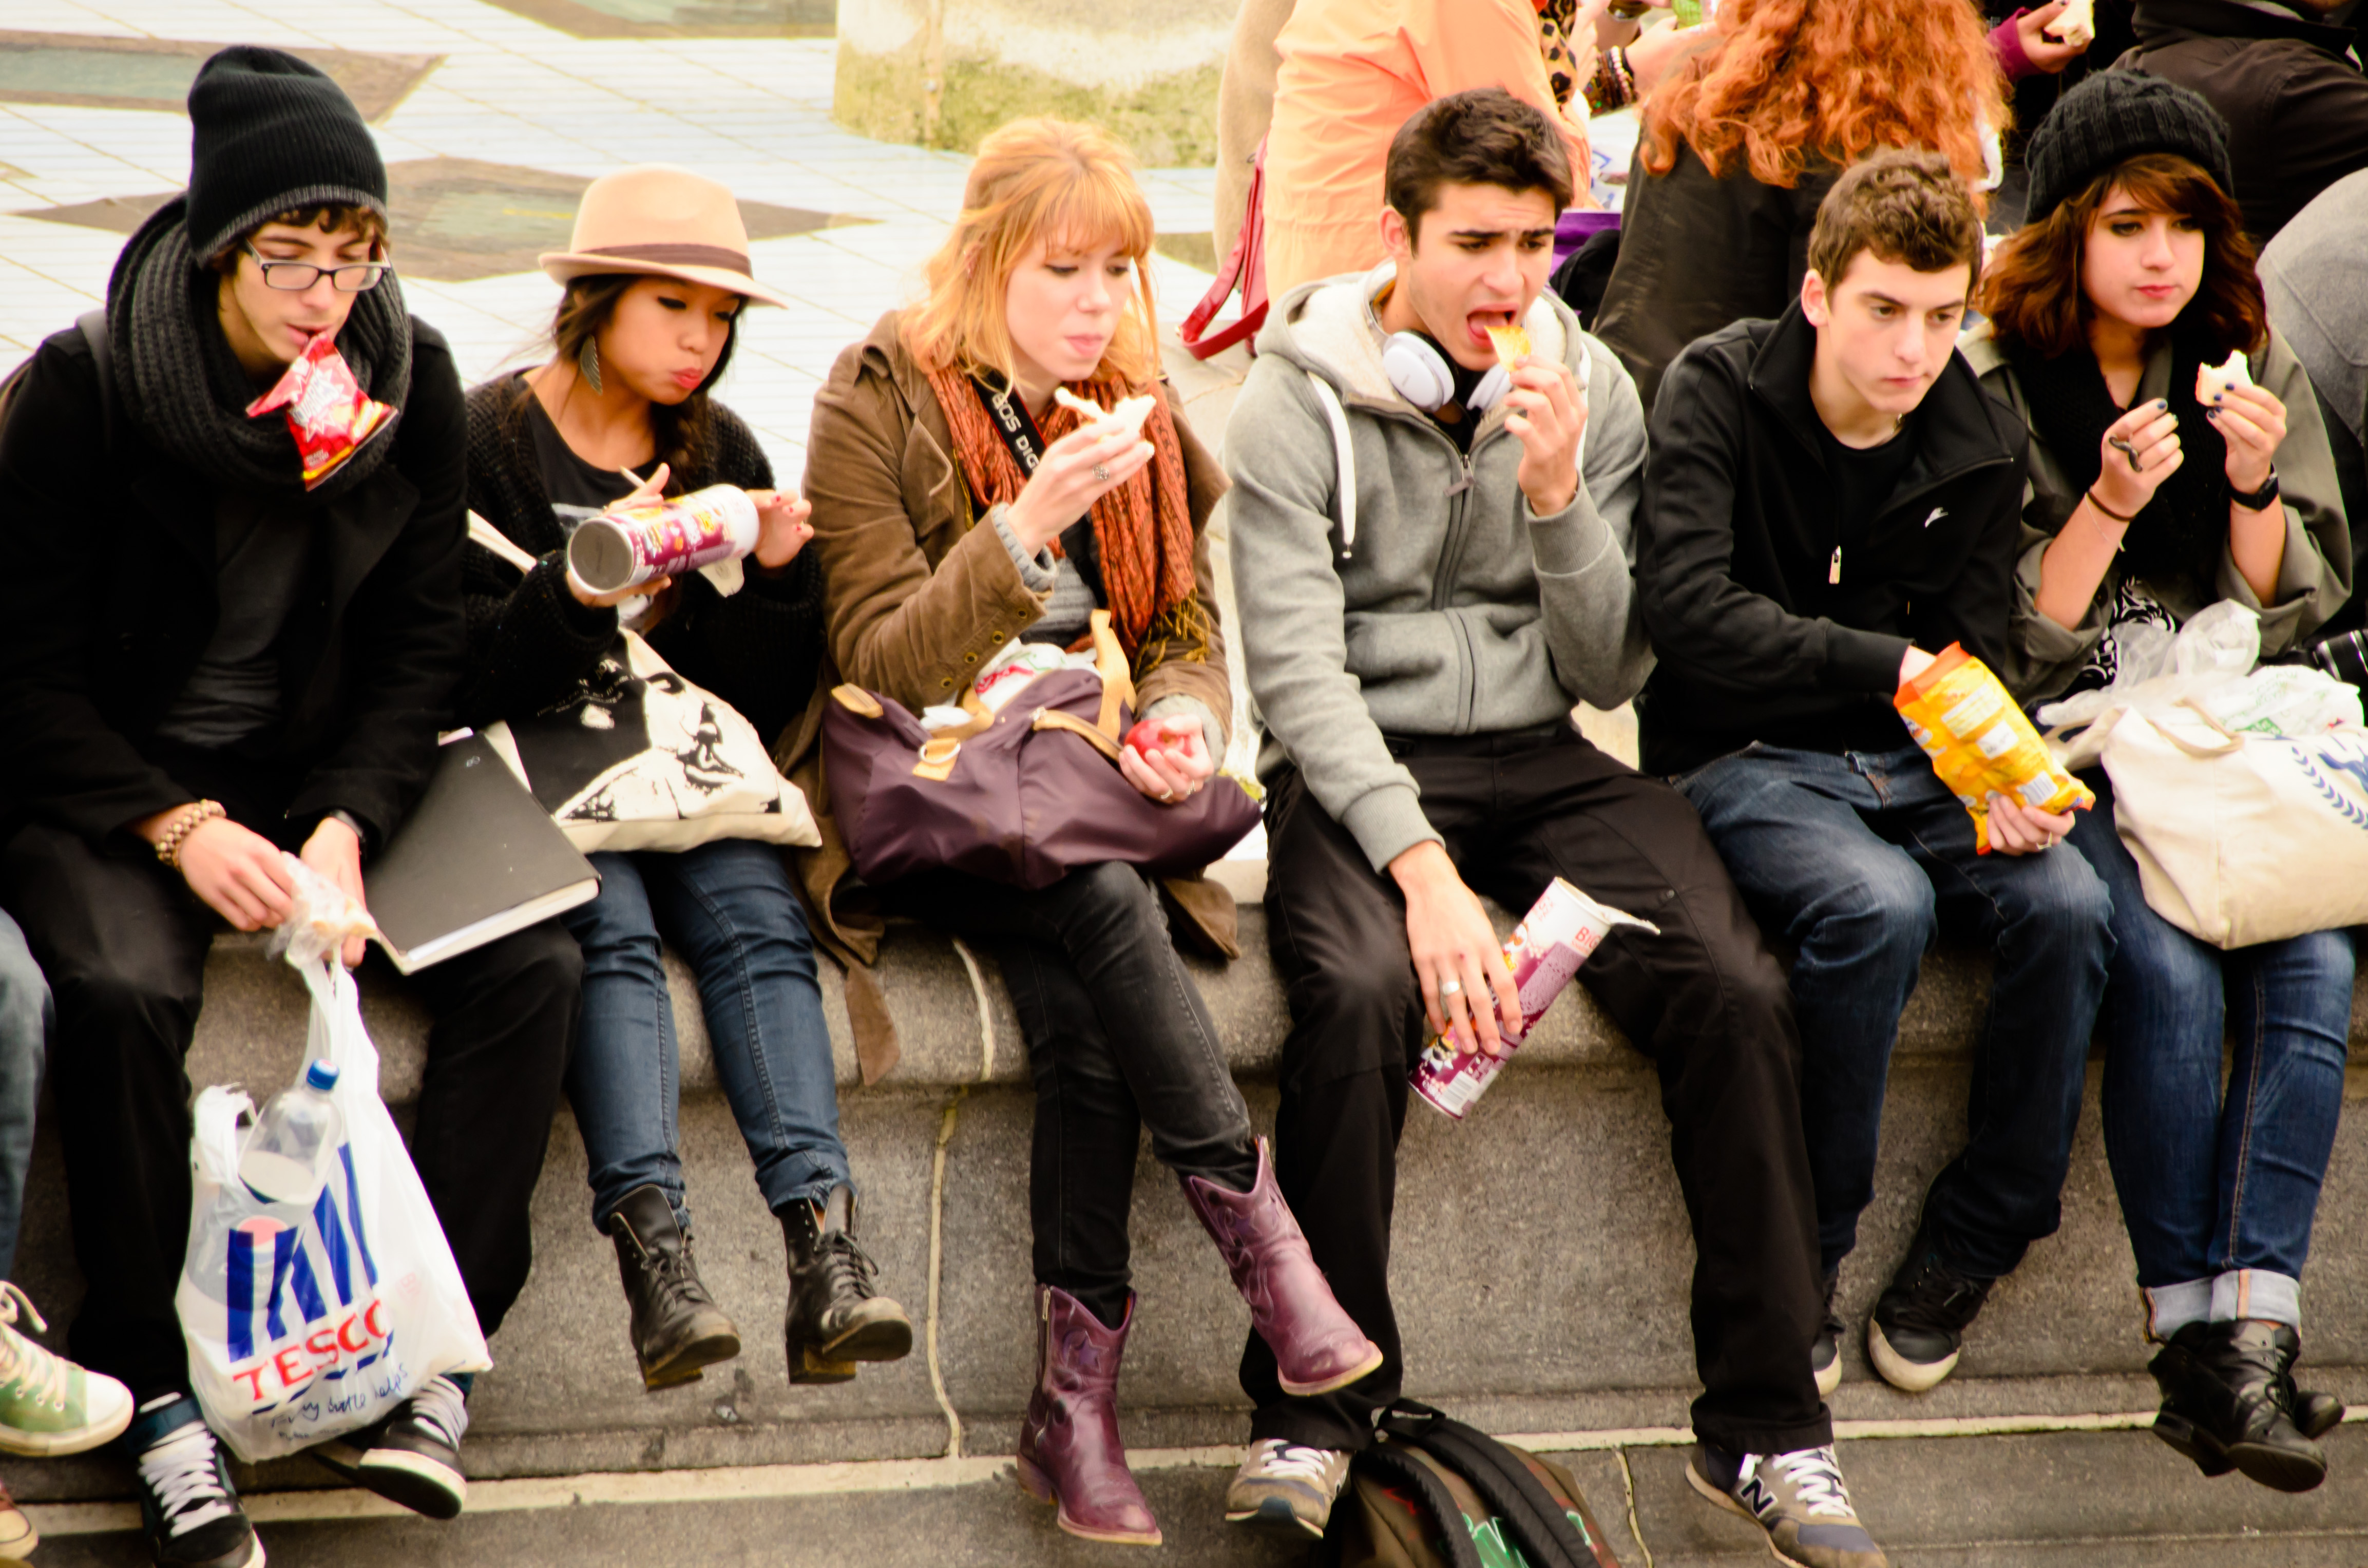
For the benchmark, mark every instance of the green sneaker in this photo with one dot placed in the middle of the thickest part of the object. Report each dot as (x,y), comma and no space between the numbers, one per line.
(49,1405)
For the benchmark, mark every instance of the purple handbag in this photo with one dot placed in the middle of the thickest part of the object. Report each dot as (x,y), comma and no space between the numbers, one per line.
(1026,795)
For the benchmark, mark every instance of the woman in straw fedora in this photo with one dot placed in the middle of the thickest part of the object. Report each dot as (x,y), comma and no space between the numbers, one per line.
(942,543)
(656,280)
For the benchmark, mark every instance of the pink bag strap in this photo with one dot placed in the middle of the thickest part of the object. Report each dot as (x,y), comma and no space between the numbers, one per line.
(1244,265)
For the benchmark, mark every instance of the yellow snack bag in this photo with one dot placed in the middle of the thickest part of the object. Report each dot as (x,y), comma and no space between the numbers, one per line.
(1980,742)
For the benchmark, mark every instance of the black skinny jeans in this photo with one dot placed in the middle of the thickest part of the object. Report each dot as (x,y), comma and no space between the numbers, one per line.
(123,944)
(1118,1040)
(1703,999)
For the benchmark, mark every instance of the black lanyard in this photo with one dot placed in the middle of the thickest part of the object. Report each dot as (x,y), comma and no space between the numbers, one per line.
(1026,444)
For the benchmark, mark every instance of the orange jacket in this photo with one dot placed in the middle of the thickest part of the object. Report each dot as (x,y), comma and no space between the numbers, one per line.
(1352,72)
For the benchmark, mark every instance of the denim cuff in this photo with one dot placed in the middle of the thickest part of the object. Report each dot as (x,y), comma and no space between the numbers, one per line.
(2257,1293)
(2171,1308)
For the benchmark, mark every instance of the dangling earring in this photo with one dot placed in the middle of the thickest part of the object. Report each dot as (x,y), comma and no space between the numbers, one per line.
(588,360)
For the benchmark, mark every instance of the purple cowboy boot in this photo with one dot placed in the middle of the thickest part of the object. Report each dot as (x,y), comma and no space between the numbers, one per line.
(1317,1345)
(1069,1447)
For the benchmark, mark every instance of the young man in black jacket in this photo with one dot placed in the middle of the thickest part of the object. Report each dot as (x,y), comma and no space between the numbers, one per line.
(1830,499)
(217,666)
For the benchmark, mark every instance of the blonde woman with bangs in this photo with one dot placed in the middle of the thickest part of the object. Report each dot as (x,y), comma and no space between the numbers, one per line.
(943,539)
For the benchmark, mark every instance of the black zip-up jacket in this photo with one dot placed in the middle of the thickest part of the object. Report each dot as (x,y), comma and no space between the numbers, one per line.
(2296,101)
(1736,541)
(111,546)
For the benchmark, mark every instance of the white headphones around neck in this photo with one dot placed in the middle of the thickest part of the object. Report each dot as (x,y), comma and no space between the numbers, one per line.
(1423,377)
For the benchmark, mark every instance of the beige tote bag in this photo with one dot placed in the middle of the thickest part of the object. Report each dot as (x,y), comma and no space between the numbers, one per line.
(2241,837)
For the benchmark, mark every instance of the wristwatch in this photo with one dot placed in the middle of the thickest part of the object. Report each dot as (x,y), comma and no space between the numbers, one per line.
(2259,501)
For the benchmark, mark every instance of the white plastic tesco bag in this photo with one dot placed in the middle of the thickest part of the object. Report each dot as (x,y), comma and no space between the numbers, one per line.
(303,1324)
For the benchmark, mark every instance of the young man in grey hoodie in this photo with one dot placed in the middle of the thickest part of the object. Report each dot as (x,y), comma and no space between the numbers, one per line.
(1415,674)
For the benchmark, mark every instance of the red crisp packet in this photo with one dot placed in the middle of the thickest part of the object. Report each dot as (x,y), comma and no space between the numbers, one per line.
(327,412)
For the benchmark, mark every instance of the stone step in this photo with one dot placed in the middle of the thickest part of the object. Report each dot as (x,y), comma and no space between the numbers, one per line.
(1541,1266)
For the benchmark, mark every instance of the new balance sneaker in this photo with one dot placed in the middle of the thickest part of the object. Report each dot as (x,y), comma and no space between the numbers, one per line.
(49,1405)
(18,1537)
(1825,1350)
(186,1502)
(1286,1489)
(1920,1321)
(415,1457)
(1798,1499)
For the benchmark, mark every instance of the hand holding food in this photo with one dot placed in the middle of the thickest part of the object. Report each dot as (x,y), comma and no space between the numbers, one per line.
(1175,768)
(2075,25)
(1980,744)
(1130,413)
(1548,414)
(2213,382)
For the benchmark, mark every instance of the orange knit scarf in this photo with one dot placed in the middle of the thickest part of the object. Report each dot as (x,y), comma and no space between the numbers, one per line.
(1142,528)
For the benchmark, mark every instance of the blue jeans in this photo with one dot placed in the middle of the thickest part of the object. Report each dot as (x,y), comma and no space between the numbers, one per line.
(26,1019)
(1858,859)
(728,908)
(2216,1184)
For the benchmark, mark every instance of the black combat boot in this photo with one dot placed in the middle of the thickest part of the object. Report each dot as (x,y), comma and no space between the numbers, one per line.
(2228,1402)
(835,1317)
(678,1327)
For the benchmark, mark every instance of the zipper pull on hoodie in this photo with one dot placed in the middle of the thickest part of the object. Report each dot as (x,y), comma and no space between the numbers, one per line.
(1834,571)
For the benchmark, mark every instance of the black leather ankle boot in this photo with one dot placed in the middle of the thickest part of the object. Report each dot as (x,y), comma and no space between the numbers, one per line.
(835,1317)
(678,1327)
(2229,1403)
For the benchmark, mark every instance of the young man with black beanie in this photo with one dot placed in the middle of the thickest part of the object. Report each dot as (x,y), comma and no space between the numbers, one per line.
(219,664)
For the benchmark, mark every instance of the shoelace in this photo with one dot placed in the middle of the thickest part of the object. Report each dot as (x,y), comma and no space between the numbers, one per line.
(184,1473)
(837,1251)
(25,1366)
(1815,1478)
(440,1407)
(1280,1460)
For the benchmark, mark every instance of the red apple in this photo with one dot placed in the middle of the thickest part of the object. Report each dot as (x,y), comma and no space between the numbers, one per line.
(1154,734)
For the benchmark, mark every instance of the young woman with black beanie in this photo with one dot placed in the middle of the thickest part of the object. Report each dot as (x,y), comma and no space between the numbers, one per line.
(223,663)
(2145,506)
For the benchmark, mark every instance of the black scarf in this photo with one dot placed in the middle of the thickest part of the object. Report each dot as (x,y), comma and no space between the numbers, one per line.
(185,391)
(2182,529)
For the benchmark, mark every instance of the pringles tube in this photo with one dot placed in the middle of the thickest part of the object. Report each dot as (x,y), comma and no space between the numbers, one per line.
(330,415)
(1557,934)
(632,544)
(1980,744)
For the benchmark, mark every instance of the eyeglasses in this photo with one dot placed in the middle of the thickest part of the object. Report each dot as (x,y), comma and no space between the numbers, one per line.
(295,277)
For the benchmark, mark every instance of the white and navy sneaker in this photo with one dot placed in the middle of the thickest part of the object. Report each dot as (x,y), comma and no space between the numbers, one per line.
(414,1458)
(1798,1499)
(1286,1489)
(186,1503)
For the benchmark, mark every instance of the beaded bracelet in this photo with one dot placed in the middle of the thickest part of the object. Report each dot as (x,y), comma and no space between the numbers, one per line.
(193,817)
(1626,72)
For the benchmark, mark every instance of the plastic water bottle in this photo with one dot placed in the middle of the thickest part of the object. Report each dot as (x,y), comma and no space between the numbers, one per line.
(289,1152)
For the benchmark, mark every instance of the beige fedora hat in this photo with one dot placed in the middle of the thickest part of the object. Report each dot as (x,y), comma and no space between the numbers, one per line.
(663,221)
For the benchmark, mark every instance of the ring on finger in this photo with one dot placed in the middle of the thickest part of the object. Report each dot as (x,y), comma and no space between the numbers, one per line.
(1451,988)
(1101,475)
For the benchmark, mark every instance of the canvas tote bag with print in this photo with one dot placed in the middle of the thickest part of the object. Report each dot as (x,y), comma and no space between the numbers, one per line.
(636,758)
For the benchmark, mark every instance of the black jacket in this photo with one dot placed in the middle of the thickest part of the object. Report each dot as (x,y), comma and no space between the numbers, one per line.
(531,642)
(1735,541)
(2295,103)
(1699,251)
(112,550)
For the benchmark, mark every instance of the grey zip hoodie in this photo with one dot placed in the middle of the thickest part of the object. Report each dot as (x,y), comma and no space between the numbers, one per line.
(1457,611)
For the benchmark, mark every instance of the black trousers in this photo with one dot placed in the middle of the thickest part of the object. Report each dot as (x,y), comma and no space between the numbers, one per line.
(1704,999)
(1119,1039)
(123,943)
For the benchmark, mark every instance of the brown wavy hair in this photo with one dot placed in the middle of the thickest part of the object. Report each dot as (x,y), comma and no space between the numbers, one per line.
(682,432)
(2031,290)
(1785,81)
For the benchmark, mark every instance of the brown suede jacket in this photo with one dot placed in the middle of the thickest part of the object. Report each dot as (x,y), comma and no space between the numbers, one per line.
(916,597)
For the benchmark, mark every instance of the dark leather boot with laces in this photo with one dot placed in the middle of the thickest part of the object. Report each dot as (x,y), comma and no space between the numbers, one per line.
(678,1327)
(1919,1322)
(837,1317)
(2229,1403)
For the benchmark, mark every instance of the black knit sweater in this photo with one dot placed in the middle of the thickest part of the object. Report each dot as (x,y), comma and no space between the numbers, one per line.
(529,641)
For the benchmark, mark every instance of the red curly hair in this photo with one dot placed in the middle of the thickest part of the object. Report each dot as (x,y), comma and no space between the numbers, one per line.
(2033,292)
(1788,80)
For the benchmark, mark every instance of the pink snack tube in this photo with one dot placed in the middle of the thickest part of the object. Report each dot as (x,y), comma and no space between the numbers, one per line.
(632,544)
(1561,929)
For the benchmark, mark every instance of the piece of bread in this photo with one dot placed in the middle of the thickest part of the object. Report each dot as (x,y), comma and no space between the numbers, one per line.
(1131,412)
(2077,26)
(2212,382)
(1510,343)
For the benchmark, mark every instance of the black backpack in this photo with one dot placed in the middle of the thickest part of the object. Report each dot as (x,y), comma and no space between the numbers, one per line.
(1435,1493)
(102,355)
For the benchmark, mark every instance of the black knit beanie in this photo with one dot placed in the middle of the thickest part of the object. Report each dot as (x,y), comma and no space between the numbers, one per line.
(2115,116)
(269,133)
